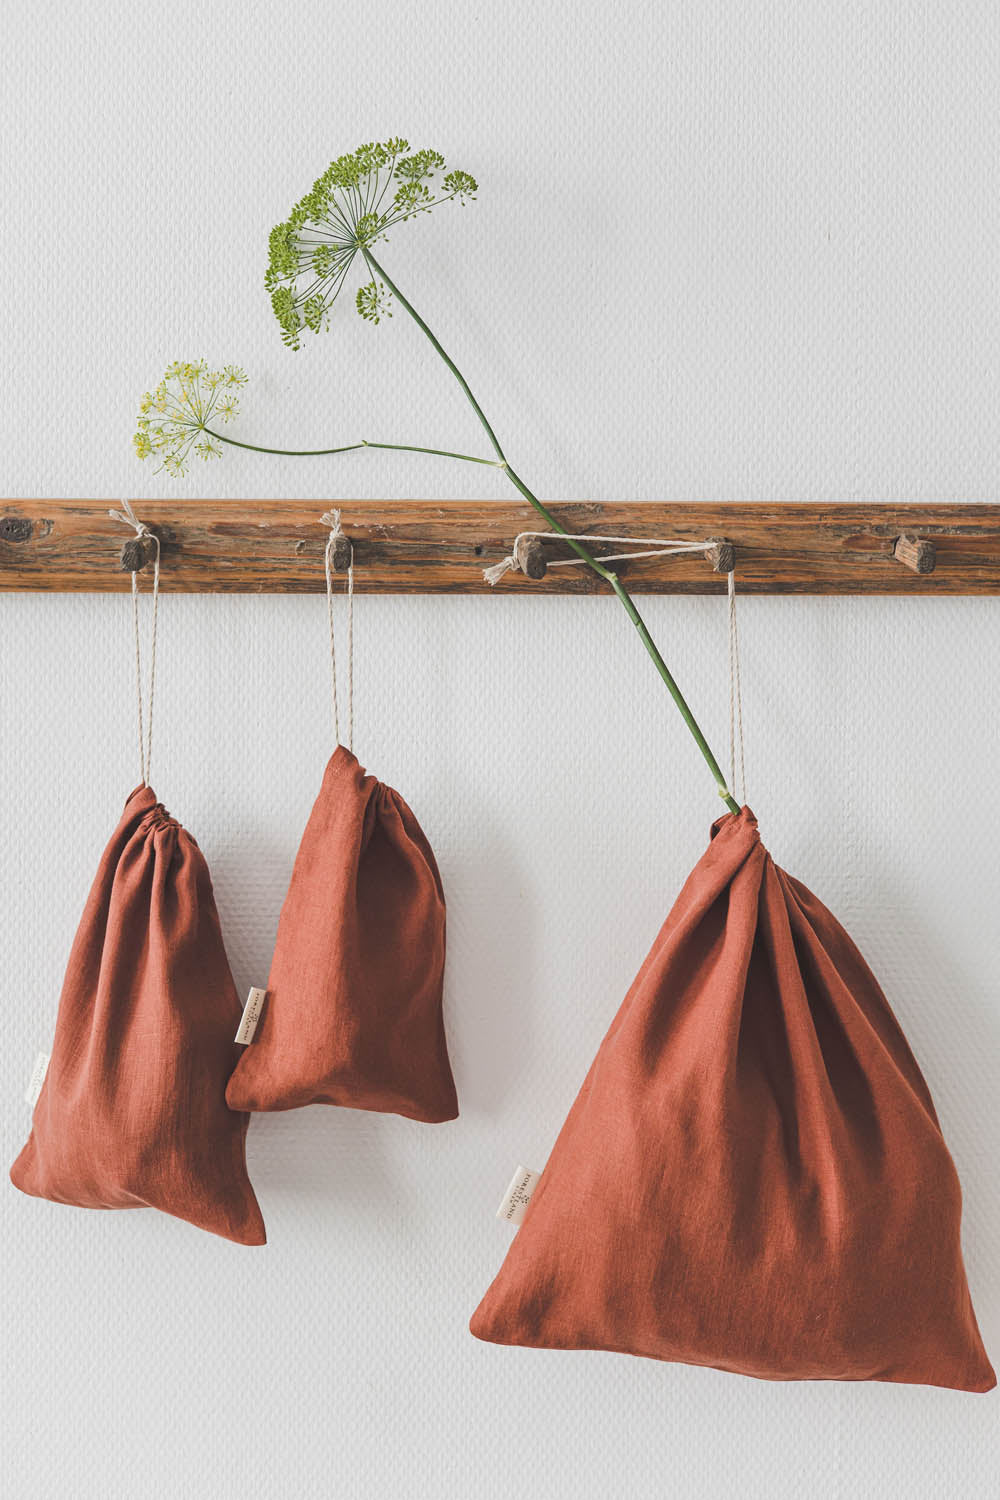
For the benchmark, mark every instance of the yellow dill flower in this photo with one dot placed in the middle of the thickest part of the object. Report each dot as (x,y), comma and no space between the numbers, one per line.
(173,420)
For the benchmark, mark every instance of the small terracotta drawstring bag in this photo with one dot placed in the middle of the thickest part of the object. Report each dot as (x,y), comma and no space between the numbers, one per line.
(132,1111)
(353,1011)
(752,1176)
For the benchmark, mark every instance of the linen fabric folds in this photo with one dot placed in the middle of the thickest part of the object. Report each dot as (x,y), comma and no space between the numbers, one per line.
(133,1111)
(353,1014)
(752,1176)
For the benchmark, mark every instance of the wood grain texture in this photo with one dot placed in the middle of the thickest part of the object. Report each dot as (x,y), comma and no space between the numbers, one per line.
(441,547)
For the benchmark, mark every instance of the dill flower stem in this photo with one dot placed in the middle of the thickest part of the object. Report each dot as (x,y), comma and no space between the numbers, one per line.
(606,573)
(493,463)
(285,452)
(349,448)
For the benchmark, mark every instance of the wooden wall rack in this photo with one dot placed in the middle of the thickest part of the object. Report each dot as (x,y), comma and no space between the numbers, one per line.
(441,547)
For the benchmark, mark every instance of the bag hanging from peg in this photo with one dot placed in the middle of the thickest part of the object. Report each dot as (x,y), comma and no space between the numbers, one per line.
(353,1011)
(132,1111)
(752,1176)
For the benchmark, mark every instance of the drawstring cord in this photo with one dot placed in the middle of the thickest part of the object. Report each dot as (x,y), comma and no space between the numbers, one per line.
(128,518)
(331,518)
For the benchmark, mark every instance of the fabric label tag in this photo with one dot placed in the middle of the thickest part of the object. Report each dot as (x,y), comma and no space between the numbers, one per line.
(518,1195)
(251,1015)
(38,1073)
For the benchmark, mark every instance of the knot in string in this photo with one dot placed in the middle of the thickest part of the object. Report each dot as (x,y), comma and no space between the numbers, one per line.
(331,518)
(128,517)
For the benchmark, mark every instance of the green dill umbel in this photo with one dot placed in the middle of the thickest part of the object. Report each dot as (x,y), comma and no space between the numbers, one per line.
(348,211)
(358,199)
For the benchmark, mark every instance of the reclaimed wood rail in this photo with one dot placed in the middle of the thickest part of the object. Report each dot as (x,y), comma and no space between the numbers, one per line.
(441,547)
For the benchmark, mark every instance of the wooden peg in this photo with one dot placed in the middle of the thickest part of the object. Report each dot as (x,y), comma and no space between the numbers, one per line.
(341,553)
(915,552)
(137,553)
(531,557)
(722,555)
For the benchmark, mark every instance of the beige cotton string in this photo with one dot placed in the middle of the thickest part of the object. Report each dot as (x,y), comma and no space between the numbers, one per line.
(331,518)
(735,698)
(128,518)
(654,547)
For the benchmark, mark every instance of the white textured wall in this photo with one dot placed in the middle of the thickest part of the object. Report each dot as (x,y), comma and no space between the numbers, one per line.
(721,251)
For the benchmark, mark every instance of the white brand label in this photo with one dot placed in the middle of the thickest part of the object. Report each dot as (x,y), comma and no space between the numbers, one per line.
(251,1015)
(38,1072)
(518,1195)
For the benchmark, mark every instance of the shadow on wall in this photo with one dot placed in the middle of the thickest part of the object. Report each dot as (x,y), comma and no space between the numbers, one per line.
(955,1035)
(249,908)
(490,1001)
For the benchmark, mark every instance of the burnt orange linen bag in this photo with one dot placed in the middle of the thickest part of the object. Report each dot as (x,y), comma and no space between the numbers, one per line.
(353,1013)
(132,1111)
(752,1176)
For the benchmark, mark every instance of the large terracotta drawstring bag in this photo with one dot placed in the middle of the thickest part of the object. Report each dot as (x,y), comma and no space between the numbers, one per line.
(752,1176)
(132,1111)
(353,1011)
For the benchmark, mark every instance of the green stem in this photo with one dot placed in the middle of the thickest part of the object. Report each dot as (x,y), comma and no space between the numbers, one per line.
(286,452)
(606,573)
(348,448)
(441,453)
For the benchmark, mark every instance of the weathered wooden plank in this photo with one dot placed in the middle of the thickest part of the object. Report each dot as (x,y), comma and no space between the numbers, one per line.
(441,547)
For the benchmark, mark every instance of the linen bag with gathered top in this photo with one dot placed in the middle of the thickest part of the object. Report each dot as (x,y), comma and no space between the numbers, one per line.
(353,1011)
(753,1175)
(132,1112)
